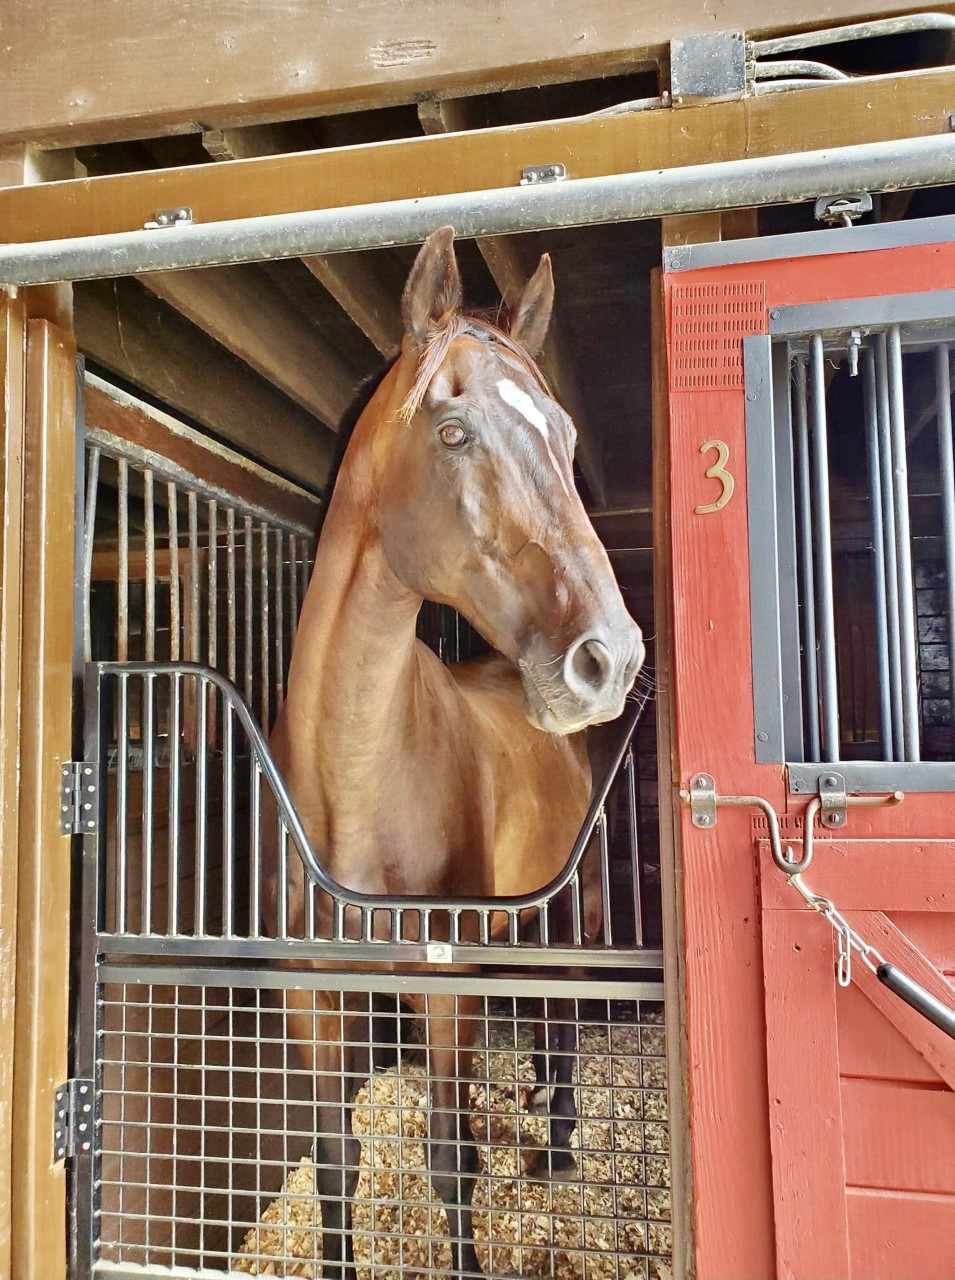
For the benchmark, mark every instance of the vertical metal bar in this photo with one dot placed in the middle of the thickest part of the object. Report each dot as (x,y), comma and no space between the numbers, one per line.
(89,534)
(175,650)
(605,875)
(943,398)
(293,585)
(807,574)
(633,830)
(825,601)
(577,910)
(281,886)
(193,650)
(230,591)
(891,566)
(907,635)
(122,572)
(213,649)
(255,853)
(202,798)
(149,500)
(122,794)
(279,622)
(175,812)
(149,771)
(248,610)
(264,614)
(228,820)
(878,549)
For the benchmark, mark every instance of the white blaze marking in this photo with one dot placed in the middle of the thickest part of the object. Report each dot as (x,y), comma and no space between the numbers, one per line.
(512,394)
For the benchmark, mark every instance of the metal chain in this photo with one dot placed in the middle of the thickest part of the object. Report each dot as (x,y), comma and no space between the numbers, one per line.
(847,937)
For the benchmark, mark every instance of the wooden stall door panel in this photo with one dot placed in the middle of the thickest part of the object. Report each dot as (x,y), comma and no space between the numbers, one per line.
(896,1236)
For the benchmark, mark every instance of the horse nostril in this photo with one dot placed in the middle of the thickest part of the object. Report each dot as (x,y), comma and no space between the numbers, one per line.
(588,666)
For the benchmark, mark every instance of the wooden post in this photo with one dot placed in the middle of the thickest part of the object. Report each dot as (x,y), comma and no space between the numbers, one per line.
(12,351)
(44,872)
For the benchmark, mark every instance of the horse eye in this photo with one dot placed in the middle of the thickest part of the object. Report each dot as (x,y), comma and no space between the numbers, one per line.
(453,435)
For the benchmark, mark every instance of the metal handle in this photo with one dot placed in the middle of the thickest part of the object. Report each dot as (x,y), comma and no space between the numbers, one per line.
(922,1001)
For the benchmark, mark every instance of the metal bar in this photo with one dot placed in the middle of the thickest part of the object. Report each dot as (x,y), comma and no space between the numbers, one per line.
(255,851)
(293,586)
(281,879)
(194,599)
(943,398)
(605,877)
(202,774)
(213,614)
(891,570)
(175,647)
(807,573)
(230,593)
(228,820)
(248,610)
(907,632)
(89,534)
(854,31)
(264,618)
(150,530)
(822,519)
(279,622)
(878,549)
(633,830)
(122,794)
(122,570)
(148,809)
(175,811)
(874,166)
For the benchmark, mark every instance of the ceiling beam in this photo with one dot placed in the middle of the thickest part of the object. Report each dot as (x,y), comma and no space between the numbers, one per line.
(125,329)
(239,309)
(227,63)
(351,278)
(831,114)
(503,259)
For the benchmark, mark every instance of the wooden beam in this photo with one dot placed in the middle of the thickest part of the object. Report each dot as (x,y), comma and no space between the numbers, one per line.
(911,105)
(43,914)
(125,329)
(239,309)
(350,278)
(147,71)
(503,258)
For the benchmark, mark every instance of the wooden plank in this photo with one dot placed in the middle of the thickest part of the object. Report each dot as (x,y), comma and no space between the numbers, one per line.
(934,1045)
(900,875)
(132,420)
(43,934)
(124,329)
(914,104)
(932,934)
(805,1107)
(11,589)
(238,308)
(870,1047)
(893,1236)
(223,63)
(899,1138)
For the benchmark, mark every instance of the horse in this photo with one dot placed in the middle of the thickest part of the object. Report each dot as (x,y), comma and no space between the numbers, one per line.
(416,778)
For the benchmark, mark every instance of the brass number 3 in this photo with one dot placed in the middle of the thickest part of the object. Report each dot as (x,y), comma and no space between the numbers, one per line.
(718,472)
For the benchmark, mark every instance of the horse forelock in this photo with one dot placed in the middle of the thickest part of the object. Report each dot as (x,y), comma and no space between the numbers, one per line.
(435,351)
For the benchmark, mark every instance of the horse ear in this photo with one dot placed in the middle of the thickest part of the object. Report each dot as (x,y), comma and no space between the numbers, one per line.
(532,313)
(433,292)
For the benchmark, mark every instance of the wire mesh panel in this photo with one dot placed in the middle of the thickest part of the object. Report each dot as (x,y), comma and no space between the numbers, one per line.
(865,542)
(206,1152)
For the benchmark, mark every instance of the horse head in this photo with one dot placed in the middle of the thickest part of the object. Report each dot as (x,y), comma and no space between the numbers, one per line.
(476,502)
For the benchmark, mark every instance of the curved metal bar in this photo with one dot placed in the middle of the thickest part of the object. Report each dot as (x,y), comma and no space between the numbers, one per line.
(797,68)
(854,31)
(313,867)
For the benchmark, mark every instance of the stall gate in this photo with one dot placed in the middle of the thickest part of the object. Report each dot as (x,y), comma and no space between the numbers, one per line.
(191,1121)
(814,656)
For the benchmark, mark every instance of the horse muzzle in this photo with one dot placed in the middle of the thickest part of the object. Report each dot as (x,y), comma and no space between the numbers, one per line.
(585,686)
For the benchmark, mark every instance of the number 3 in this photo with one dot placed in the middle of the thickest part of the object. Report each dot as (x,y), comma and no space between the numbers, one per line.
(718,472)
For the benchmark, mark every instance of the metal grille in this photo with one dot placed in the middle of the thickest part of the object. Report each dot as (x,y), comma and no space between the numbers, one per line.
(205,1141)
(864,526)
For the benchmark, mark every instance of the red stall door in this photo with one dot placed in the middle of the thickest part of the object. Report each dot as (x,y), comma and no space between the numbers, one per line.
(812,519)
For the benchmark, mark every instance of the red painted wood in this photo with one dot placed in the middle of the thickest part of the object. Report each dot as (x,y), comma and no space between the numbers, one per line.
(932,934)
(870,1046)
(863,875)
(805,1103)
(899,1137)
(934,1045)
(894,1236)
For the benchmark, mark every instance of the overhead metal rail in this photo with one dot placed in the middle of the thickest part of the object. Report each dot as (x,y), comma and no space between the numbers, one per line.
(875,166)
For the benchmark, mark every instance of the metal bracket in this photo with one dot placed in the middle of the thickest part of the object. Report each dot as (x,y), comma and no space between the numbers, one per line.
(536,174)
(832,794)
(708,67)
(163,218)
(703,800)
(842,210)
(73,1119)
(439,953)
(78,807)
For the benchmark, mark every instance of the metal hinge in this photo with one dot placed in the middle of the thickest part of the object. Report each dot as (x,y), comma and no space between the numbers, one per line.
(73,1120)
(78,807)
(533,175)
(164,218)
(832,794)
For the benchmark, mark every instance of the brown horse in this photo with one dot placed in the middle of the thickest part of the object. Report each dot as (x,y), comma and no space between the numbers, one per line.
(412,778)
